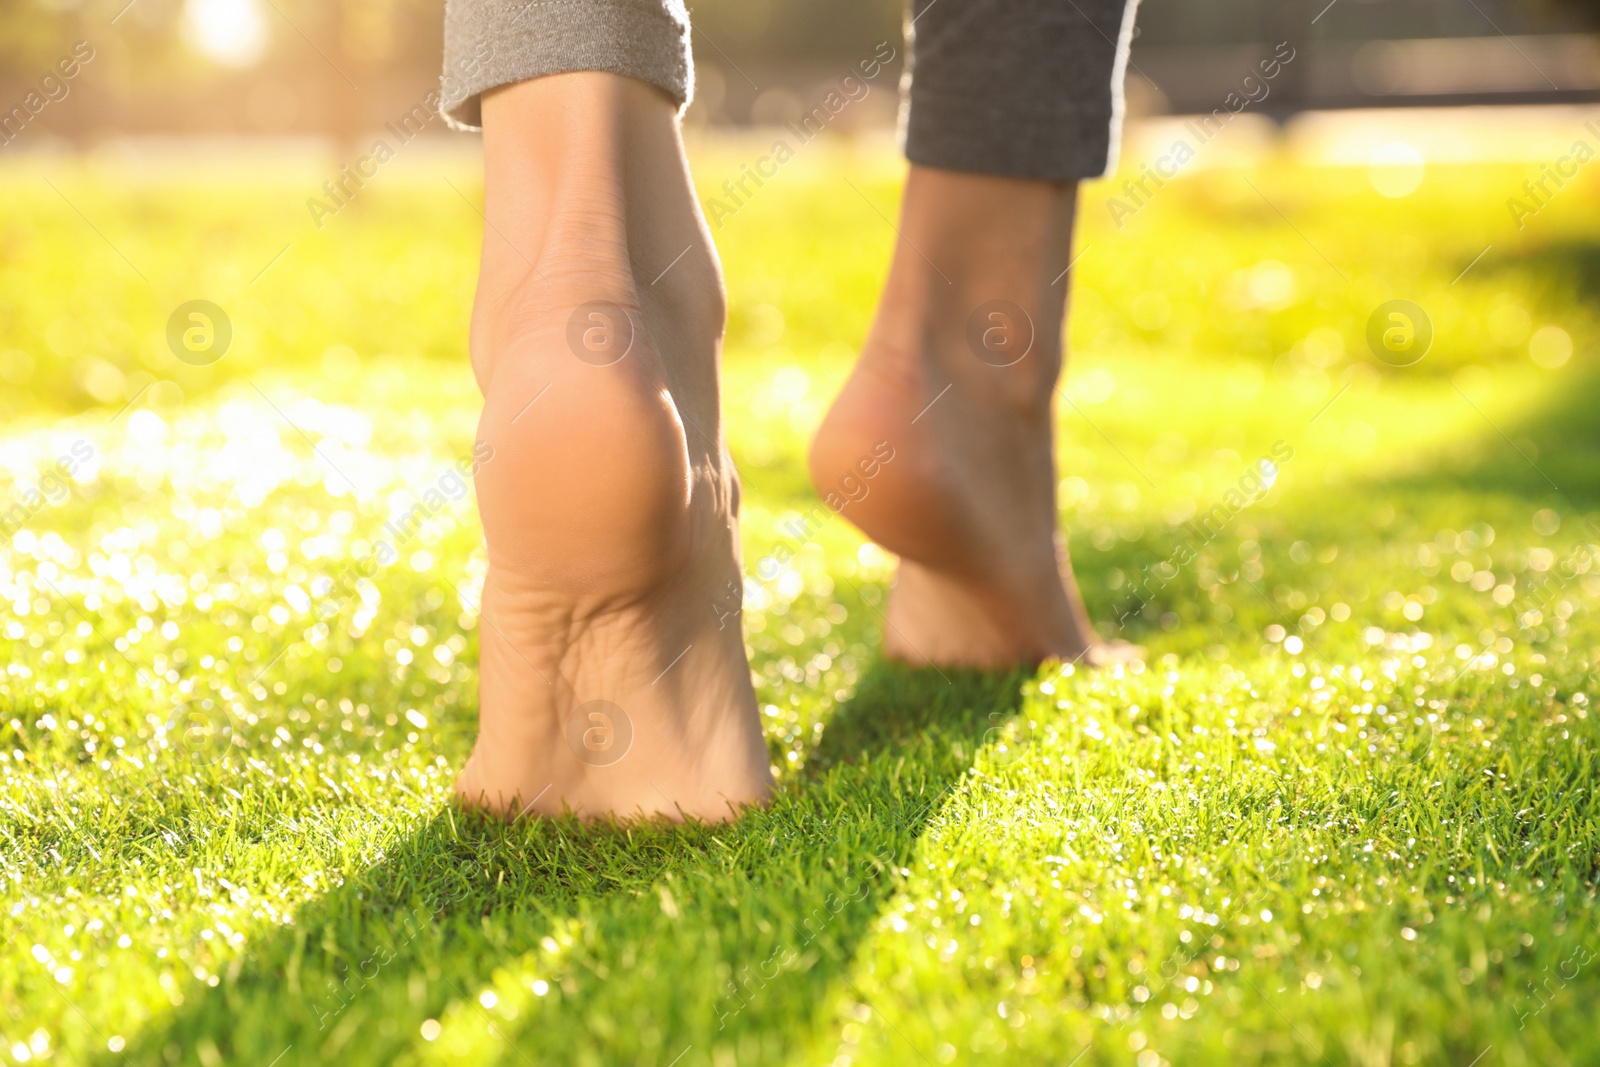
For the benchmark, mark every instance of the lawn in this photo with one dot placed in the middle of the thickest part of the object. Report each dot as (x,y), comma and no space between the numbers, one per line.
(1345,814)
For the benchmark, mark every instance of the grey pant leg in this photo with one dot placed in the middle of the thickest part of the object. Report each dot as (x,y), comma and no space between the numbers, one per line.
(1024,88)
(496,42)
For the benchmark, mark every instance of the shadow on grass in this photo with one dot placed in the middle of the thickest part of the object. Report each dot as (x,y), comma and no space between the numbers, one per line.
(1507,470)
(1569,269)
(1547,456)
(648,940)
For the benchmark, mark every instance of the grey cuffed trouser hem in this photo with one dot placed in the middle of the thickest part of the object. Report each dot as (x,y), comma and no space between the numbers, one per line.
(1022,88)
(488,43)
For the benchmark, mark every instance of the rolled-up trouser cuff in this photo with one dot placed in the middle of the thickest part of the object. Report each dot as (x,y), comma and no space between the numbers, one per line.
(1022,88)
(488,43)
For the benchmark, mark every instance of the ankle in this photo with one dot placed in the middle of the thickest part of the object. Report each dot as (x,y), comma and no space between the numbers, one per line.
(565,158)
(920,358)
(586,172)
(976,294)
(1017,232)
(588,199)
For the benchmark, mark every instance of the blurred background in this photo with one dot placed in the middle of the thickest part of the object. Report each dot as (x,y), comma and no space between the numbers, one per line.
(339,68)
(188,152)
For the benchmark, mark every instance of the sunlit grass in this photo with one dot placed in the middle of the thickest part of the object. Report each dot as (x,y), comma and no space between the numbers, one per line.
(1346,814)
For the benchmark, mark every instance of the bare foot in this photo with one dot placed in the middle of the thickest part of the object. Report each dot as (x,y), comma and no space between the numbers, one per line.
(957,380)
(612,663)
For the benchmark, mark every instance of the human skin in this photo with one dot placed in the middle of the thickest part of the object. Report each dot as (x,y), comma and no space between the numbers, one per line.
(612,680)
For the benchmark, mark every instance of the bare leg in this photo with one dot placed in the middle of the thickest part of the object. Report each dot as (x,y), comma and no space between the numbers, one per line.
(958,377)
(613,671)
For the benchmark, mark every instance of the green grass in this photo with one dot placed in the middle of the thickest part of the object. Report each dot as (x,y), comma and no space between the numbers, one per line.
(1346,814)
